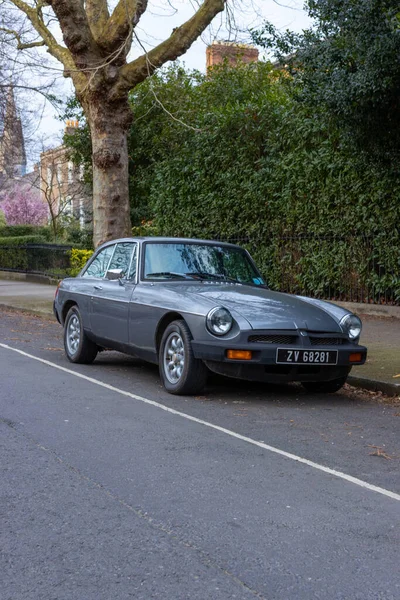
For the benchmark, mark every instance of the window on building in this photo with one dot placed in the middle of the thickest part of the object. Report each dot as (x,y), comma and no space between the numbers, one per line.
(70,172)
(67,206)
(59,174)
(81,214)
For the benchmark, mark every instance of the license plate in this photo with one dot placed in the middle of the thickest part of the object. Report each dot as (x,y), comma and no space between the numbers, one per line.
(287,356)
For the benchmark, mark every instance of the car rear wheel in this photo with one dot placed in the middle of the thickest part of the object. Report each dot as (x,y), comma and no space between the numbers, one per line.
(181,373)
(78,347)
(324,387)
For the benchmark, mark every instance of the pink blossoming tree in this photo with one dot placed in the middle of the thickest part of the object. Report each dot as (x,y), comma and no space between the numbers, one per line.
(23,207)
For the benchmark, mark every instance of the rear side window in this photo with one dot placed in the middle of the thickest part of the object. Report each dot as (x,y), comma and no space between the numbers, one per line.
(99,266)
(122,257)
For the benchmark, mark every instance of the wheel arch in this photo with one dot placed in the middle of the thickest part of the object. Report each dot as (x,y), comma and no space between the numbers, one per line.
(69,304)
(163,324)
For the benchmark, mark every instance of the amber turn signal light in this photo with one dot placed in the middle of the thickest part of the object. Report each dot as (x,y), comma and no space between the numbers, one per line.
(356,357)
(239,354)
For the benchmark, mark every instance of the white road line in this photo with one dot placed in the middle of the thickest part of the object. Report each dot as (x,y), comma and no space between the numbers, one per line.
(243,438)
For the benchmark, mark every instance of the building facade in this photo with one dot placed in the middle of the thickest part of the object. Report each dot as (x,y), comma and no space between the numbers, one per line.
(62,186)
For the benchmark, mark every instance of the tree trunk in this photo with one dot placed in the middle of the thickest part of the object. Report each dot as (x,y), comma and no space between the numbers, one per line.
(109,123)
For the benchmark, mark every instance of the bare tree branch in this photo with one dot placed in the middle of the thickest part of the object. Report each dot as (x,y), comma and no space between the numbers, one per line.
(74,24)
(35,17)
(124,18)
(20,44)
(98,16)
(177,44)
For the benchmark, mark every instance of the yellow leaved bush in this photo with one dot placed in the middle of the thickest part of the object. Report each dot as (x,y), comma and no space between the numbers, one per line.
(78,259)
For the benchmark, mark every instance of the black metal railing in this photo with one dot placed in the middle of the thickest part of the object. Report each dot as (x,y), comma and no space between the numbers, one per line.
(43,259)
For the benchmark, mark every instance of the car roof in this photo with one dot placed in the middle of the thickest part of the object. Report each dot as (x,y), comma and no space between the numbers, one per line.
(159,239)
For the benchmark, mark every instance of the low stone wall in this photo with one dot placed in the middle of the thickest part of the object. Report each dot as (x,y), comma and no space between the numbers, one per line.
(30,277)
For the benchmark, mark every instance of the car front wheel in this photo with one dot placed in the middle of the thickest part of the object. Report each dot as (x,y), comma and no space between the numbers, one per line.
(181,373)
(324,387)
(78,347)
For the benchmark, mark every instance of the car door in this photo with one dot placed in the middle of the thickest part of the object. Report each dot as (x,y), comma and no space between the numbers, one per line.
(90,281)
(110,298)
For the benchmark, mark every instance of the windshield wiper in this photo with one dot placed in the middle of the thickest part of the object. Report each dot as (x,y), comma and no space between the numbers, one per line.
(205,275)
(169,274)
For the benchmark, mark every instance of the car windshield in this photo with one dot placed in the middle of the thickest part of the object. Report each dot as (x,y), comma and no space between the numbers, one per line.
(182,261)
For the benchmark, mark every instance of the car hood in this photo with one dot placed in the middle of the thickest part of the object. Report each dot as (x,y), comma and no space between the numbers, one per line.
(265,309)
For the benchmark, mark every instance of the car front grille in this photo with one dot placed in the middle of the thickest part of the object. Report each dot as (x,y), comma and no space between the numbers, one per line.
(273,339)
(326,341)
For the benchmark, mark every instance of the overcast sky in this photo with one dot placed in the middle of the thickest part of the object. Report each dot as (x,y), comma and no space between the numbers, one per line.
(157,24)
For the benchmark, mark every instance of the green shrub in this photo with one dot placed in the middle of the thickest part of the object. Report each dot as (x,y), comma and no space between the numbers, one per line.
(145,229)
(79,238)
(24,230)
(2,220)
(22,240)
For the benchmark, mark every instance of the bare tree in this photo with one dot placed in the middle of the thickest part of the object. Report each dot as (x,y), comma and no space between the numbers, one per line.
(23,95)
(62,188)
(94,53)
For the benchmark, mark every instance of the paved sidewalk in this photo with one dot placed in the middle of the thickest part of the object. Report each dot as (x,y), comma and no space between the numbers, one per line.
(35,297)
(380,334)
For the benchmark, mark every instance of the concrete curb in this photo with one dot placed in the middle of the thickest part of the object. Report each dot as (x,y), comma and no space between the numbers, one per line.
(374,385)
(29,277)
(374,310)
(46,314)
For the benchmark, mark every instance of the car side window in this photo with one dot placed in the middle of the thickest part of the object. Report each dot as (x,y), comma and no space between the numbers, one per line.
(99,266)
(122,257)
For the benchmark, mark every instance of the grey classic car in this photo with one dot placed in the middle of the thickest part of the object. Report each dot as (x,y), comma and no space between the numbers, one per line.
(195,306)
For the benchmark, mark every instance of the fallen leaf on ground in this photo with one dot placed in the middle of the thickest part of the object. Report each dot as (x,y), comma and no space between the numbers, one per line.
(379,452)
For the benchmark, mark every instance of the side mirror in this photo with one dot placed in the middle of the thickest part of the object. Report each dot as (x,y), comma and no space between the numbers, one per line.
(114,274)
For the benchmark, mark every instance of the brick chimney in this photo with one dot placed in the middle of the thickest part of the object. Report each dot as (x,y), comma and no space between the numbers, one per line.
(71,126)
(231,52)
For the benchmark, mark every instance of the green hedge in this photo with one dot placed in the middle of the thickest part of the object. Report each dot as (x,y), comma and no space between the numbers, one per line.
(24,230)
(22,240)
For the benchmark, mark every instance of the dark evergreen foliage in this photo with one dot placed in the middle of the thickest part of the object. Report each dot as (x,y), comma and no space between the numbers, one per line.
(349,63)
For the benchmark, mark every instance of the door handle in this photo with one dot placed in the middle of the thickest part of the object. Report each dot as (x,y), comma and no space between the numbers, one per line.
(98,287)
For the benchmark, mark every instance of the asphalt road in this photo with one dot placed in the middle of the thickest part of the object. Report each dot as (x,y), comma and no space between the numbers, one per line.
(106,496)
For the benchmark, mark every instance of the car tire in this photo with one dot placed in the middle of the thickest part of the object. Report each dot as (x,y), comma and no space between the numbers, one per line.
(78,347)
(187,375)
(324,387)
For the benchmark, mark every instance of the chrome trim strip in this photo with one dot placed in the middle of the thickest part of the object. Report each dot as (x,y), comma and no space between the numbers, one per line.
(135,247)
(108,264)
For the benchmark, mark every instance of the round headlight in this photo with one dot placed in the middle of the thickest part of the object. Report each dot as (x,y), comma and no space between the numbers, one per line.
(219,321)
(352,326)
